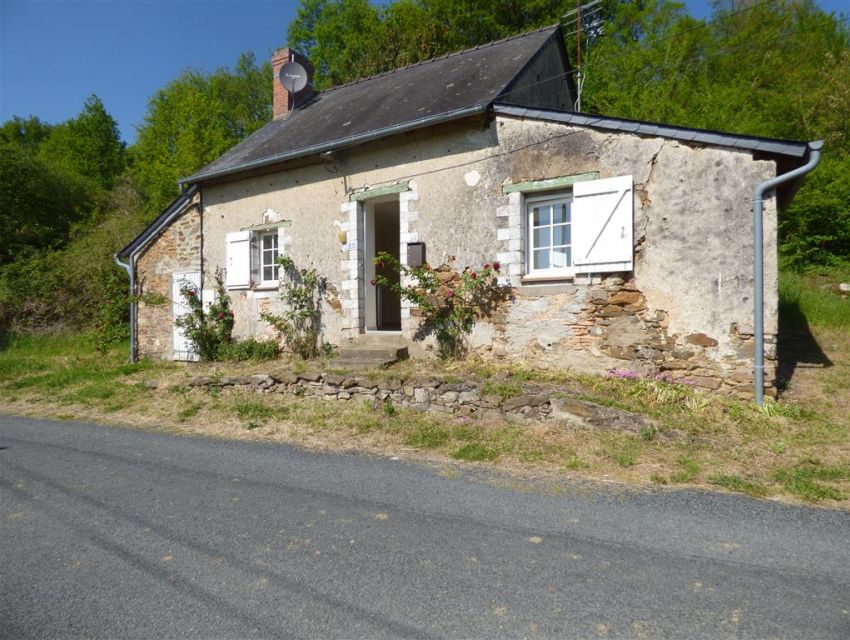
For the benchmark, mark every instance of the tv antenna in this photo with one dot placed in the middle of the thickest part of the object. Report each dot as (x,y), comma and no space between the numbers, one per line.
(588,22)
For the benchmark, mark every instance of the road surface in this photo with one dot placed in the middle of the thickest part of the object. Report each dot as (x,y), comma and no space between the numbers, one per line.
(115,533)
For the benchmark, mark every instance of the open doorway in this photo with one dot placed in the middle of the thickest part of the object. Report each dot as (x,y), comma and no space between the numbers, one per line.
(383,306)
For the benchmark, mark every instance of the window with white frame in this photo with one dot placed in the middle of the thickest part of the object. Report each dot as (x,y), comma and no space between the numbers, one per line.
(549,235)
(268,247)
(586,229)
(252,257)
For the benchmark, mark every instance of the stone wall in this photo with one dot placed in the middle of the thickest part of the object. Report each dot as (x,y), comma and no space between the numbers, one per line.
(177,249)
(607,326)
(537,402)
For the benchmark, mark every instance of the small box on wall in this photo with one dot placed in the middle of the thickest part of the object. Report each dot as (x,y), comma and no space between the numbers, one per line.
(415,254)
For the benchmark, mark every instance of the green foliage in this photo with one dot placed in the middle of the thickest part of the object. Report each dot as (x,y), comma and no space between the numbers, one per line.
(301,323)
(448,301)
(350,39)
(196,118)
(251,349)
(79,284)
(88,145)
(39,204)
(207,330)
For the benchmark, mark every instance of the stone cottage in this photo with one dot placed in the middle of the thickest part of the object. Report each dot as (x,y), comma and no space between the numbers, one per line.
(627,245)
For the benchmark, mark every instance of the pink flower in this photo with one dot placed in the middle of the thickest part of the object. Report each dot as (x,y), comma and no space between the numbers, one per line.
(191,293)
(473,275)
(451,293)
(497,266)
(372,282)
(380,264)
(486,265)
(221,315)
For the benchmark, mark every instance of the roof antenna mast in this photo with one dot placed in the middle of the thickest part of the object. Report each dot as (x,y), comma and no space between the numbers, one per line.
(587,20)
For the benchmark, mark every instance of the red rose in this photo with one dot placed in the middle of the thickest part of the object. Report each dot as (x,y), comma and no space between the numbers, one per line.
(473,275)
(380,264)
(190,292)
(230,313)
(451,293)
(221,315)
(486,265)
(497,266)
(372,282)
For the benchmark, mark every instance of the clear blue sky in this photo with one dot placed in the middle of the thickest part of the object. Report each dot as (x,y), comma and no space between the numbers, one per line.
(55,53)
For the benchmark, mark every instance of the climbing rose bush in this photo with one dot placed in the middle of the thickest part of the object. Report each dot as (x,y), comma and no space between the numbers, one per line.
(448,301)
(207,330)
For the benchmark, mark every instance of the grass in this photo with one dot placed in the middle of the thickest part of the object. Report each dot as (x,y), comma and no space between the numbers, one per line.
(810,298)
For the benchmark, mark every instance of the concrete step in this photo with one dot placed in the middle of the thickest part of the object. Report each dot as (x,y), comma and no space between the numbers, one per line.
(366,350)
(371,351)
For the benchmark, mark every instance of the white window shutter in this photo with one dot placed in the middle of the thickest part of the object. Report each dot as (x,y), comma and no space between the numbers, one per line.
(603,220)
(238,259)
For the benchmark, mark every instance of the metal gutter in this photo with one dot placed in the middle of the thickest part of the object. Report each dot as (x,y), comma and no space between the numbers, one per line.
(758,259)
(131,271)
(340,143)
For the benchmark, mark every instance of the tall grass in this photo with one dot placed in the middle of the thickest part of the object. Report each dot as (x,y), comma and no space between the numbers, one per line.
(813,298)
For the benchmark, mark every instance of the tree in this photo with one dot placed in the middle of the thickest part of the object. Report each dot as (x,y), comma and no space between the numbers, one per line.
(195,119)
(88,145)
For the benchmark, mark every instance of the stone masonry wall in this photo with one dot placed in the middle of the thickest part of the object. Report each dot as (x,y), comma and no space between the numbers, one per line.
(607,326)
(177,249)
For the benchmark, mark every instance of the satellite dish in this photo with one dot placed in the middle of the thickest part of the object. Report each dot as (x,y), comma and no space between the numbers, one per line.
(293,77)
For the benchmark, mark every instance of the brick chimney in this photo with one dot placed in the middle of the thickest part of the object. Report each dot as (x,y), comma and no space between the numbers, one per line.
(284,102)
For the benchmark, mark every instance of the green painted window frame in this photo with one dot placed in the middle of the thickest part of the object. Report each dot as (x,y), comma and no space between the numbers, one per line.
(550,184)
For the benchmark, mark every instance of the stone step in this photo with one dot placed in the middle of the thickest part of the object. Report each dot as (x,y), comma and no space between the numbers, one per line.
(361,362)
(384,339)
(371,351)
(367,350)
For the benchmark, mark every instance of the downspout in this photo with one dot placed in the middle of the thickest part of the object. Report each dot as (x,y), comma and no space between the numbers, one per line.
(128,267)
(758,259)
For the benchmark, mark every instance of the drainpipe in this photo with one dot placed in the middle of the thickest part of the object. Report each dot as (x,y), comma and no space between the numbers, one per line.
(758,259)
(128,267)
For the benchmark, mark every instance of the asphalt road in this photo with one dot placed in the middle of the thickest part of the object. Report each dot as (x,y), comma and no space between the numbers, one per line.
(112,533)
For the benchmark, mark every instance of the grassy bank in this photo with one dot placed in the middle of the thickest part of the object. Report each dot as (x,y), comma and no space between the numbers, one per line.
(796,449)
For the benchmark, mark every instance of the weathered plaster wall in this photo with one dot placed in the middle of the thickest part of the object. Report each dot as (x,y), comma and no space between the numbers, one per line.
(685,309)
(177,249)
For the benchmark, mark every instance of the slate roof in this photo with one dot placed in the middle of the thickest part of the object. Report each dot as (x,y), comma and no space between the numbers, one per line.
(445,88)
(770,146)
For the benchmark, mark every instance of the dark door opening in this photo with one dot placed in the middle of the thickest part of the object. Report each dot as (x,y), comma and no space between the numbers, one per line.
(385,234)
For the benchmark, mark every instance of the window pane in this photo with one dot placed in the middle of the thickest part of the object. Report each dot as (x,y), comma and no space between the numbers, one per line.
(561,257)
(561,234)
(541,259)
(542,215)
(267,241)
(561,213)
(268,273)
(543,237)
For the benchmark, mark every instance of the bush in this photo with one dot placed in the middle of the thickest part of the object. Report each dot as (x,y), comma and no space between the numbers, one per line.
(300,325)
(249,350)
(449,301)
